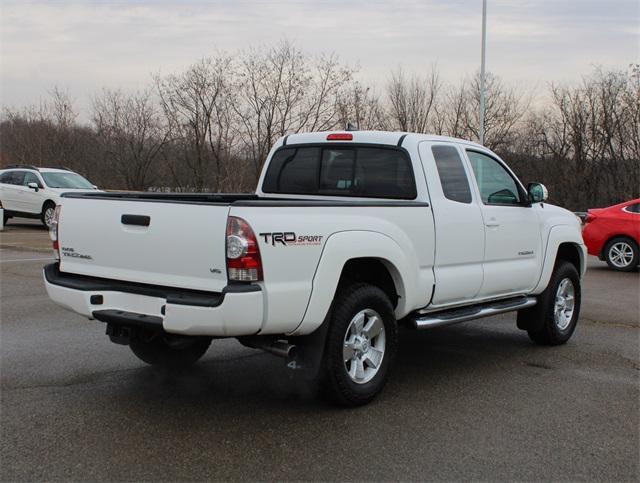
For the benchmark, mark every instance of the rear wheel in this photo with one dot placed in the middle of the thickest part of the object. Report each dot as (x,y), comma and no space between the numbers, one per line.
(621,254)
(553,320)
(47,213)
(361,345)
(168,351)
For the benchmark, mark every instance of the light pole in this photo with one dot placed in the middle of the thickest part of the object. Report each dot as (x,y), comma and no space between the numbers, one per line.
(482,68)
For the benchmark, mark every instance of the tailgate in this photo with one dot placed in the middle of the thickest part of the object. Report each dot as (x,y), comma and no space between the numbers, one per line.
(183,244)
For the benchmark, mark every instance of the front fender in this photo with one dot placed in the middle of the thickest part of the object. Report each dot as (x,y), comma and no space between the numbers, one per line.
(557,235)
(344,246)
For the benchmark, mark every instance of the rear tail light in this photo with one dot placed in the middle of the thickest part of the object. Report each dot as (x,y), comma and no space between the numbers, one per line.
(53,232)
(243,254)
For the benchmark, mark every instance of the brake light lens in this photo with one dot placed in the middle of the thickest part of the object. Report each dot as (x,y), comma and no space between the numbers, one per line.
(243,254)
(53,231)
(340,136)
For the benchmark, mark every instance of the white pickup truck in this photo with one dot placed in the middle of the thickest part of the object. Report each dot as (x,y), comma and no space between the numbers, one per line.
(348,236)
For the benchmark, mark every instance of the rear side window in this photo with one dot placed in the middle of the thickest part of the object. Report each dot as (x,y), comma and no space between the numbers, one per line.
(12,177)
(367,172)
(453,177)
(635,208)
(293,171)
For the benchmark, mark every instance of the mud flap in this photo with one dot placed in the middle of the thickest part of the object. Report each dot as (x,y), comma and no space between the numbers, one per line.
(307,365)
(533,317)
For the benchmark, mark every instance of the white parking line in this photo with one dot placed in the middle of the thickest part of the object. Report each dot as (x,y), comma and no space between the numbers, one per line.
(26,260)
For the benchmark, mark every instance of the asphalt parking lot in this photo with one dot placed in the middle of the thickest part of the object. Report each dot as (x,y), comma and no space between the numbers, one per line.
(473,401)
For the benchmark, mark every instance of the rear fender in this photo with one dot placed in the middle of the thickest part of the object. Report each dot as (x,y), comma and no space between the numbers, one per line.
(344,246)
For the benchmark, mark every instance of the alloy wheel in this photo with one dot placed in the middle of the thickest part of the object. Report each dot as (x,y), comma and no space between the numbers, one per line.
(364,346)
(621,254)
(564,304)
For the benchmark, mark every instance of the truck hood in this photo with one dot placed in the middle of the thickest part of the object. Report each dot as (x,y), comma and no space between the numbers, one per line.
(555,215)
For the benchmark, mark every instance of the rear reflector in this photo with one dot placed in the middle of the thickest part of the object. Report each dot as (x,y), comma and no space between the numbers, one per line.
(340,136)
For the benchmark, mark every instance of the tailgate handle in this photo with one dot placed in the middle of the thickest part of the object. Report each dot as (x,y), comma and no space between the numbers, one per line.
(139,220)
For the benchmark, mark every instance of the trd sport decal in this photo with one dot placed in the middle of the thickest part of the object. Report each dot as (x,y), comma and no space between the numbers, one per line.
(290,238)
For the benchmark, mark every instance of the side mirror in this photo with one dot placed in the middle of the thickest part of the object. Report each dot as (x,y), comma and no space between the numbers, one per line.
(34,186)
(537,193)
(94,187)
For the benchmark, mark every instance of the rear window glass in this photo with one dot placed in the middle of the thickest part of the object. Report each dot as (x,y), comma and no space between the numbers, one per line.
(635,208)
(367,172)
(453,178)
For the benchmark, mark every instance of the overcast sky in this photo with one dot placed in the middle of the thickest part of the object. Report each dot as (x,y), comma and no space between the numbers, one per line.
(83,46)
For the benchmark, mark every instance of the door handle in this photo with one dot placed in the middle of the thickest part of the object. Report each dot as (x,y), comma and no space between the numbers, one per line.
(139,220)
(492,223)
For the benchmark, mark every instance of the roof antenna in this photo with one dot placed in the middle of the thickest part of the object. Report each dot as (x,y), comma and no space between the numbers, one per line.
(351,126)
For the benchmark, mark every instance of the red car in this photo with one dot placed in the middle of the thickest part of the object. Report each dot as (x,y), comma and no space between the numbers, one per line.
(613,234)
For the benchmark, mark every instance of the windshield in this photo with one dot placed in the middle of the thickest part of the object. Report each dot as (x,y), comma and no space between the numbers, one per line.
(66,180)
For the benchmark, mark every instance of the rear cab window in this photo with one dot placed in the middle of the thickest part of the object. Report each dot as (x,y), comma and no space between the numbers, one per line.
(365,171)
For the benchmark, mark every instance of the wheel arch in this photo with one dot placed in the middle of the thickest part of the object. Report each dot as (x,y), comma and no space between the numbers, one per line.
(376,271)
(46,202)
(360,256)
(570,252)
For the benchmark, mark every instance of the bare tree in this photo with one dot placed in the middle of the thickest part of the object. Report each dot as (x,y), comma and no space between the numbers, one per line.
(198,105)
(412,101)
(282,91)
(214,122)
(132,133)
(359,106)
(584,145)
(46,134)
(504,108)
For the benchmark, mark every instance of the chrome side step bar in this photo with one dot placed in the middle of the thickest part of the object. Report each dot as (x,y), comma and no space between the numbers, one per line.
(462,314)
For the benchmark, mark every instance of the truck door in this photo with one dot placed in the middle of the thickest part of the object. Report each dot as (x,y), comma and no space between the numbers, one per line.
(512,254)
(459,227)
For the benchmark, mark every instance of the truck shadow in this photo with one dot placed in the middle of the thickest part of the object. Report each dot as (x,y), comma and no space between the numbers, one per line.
(255,381)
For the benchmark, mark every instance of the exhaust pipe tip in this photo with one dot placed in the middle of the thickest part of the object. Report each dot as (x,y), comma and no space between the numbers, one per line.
(282,349)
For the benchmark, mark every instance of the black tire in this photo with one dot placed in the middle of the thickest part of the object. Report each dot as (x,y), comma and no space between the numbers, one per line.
(49,205)
(168,351)
(540,321)
(338,384)
(5,218)
(610,250)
